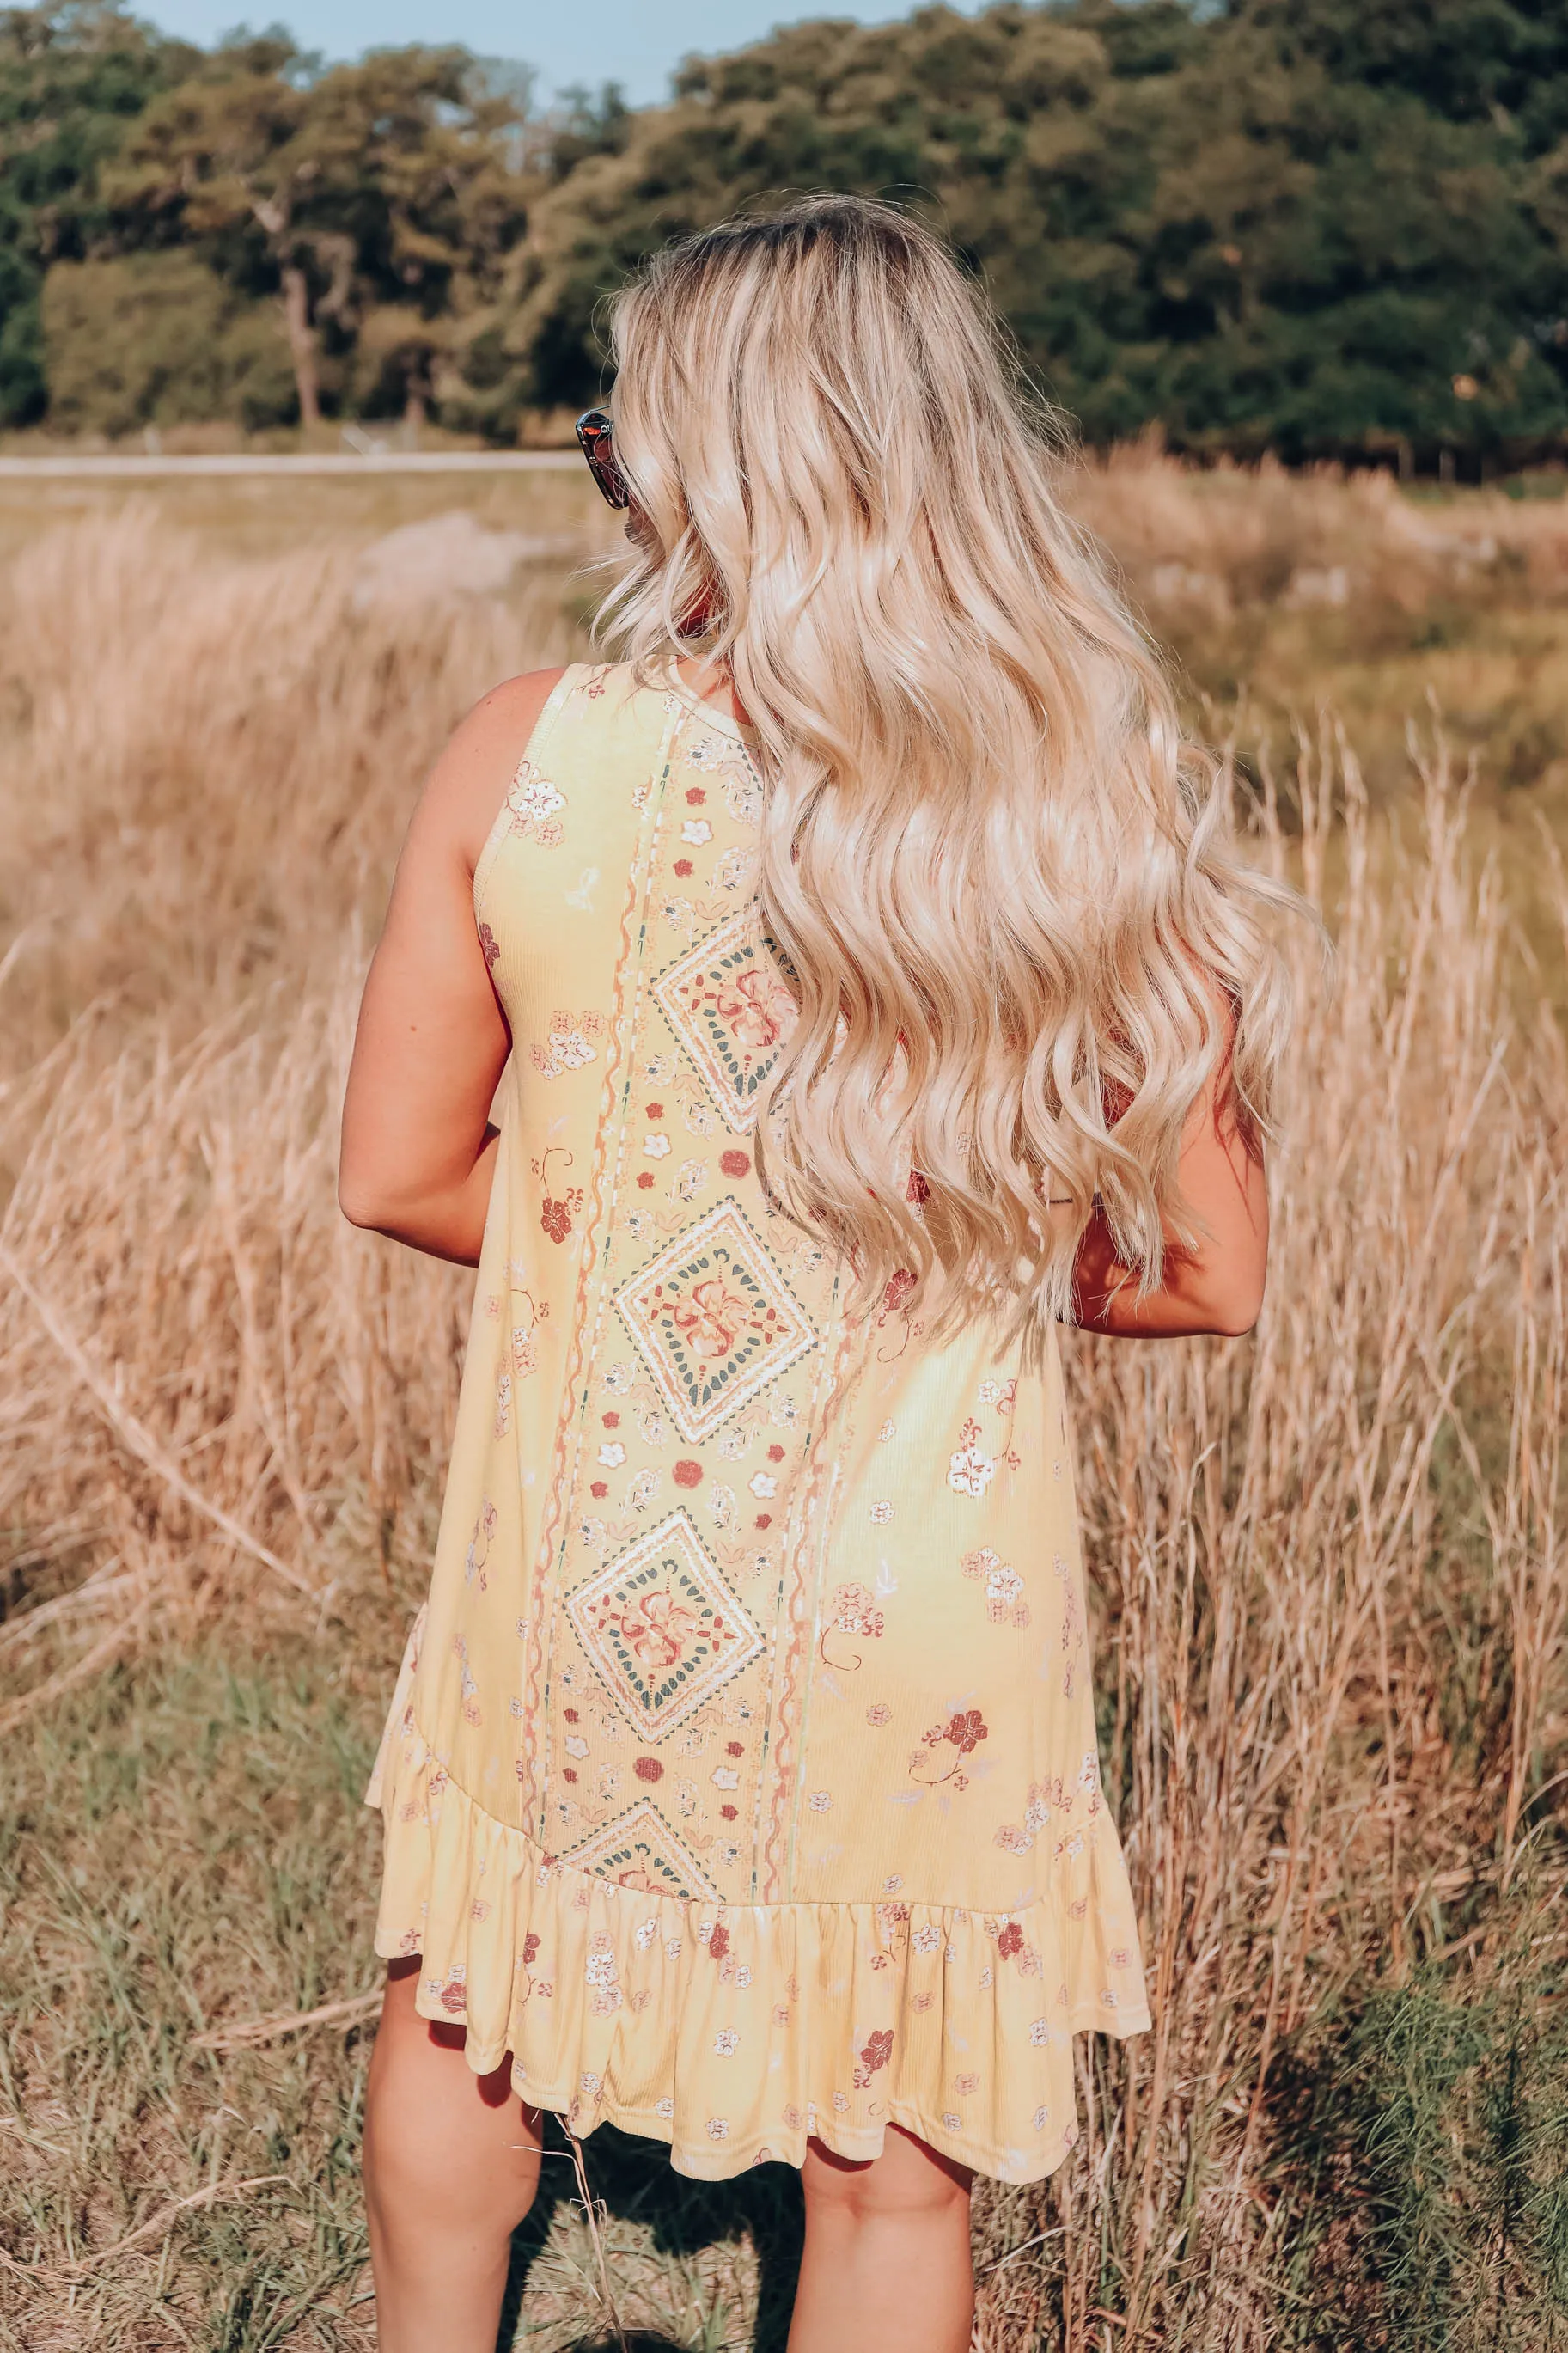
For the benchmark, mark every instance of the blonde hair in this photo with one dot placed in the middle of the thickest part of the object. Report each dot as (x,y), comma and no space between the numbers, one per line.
(1002,884)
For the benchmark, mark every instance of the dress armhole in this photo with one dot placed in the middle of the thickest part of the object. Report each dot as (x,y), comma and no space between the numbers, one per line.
(541,728)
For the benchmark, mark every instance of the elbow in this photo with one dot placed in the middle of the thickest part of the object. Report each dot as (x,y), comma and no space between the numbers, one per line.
(360,1203)
(1234,1312)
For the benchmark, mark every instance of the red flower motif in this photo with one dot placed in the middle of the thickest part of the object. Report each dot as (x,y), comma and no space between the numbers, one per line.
(649,1768)
(490,946)
(598,1490)
(1010,1941)
(775,1455)
(530,1949)
(764,1520)
(688,1474)
(611,1420)
(452,1997)
(734,1748)
(556,1220)
(875,2056)
(728,1812)
(645,1181)
(735,1164)
(719,1942)
(570,1714)
(656,1110)
(918,1188)
(569,1773)
(695,796)
(683,867)
(900,1286)
(966,1731)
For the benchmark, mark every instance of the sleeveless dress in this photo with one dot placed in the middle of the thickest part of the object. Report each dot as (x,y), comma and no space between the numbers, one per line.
(740,1779)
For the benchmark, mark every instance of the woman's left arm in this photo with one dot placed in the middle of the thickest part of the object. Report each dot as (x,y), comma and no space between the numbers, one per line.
(1216,1286)
(418,1151)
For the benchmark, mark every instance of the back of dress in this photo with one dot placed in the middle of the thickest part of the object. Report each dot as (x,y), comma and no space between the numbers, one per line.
(741,1778)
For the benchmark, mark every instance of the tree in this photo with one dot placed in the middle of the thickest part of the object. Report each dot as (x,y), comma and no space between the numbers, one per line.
(73,78)
(388,186)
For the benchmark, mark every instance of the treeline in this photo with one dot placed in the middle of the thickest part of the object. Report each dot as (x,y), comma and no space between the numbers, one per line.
(1332,227)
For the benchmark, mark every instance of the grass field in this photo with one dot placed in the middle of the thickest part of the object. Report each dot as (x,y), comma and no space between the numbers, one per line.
(1328,1562)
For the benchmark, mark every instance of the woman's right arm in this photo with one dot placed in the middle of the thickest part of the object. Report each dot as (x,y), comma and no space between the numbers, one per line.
(419,1152)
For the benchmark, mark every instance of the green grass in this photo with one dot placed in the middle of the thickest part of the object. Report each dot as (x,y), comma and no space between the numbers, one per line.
(182,1847)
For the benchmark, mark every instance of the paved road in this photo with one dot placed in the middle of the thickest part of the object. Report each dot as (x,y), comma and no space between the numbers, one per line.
(393,462)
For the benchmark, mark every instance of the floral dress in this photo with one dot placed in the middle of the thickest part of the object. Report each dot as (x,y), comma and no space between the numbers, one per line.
(741,1780)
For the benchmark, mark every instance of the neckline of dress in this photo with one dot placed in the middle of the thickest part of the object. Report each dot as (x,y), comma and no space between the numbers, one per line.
(724,720)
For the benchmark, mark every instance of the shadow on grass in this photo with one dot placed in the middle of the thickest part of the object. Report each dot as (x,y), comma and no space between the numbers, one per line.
(637,2183)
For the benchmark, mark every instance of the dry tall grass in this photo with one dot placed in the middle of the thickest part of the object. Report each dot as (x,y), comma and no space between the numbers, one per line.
(1329,1562)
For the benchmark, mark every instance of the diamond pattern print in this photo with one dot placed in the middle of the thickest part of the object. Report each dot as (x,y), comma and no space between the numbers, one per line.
(732,1009)
(640,1851)
(714,1321)
(662,1627)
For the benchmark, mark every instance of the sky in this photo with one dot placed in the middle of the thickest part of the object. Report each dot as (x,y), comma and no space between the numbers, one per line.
(638,43)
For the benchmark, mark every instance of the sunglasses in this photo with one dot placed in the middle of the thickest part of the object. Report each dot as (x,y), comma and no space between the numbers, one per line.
(593,438)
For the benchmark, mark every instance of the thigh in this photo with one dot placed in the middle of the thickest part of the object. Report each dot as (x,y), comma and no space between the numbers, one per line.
(909,2176)
(428,2116)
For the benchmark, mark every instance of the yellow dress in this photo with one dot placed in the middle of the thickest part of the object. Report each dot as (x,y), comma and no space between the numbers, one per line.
(740,1779)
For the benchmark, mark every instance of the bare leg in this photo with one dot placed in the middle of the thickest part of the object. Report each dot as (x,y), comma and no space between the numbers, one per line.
(451,2165)
(887,2266)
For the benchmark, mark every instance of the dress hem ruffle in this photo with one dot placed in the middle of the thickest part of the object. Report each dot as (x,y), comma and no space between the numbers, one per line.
(736,2032)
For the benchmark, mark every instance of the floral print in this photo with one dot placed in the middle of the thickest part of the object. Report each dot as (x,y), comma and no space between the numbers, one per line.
(747,1741)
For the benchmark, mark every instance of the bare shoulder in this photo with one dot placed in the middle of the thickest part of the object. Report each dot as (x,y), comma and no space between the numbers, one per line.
(470,779)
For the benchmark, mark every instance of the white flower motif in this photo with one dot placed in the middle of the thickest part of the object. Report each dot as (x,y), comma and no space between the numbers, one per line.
(726,2042)
(954,2123)
(881,1513)
(718,2128)
(1003,1586)
(970,1473)
(1039,2032)
(612,1454)
(646,1931)
(665,2108)
(743,1977)
(657,1147)
(732,1443)
(987,1392)
(726,1777)
(893,1881)
(820,1801)
(535,799)
(601,1970)
(672,1948)
(762,1485)
(1108,1997)
(886,1432)
(696,832)
(575,1744)
(926,1940)
(1042,2118)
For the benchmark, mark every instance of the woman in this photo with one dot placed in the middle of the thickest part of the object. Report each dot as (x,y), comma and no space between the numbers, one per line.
(874,986)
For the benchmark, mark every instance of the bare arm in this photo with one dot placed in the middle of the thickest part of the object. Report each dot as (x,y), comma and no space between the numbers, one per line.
(419,1152)
(1218,1286)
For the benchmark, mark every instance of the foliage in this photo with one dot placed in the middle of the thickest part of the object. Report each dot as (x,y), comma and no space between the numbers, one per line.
(72,78)
(1329,227)
(158,339)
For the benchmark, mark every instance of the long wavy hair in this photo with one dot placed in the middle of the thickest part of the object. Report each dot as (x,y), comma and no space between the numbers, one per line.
(1002,884)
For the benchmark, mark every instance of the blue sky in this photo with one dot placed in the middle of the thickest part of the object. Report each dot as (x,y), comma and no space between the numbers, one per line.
(634,42)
